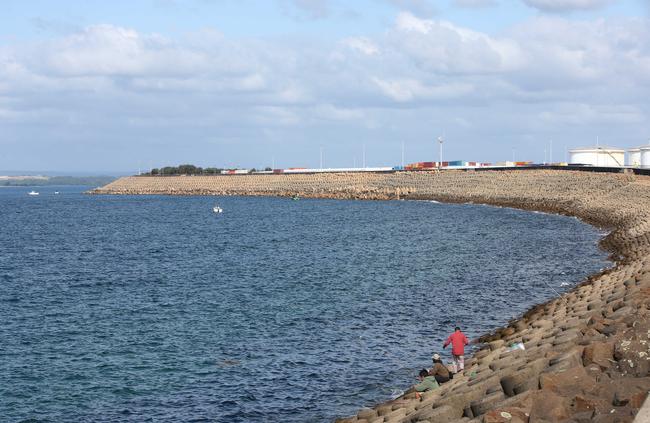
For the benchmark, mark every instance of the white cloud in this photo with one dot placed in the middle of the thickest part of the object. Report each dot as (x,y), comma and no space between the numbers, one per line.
(580,114)
(362,44)
(566,5)
(443,47)
(310,9)
(406,21)
(405,90)
(548,73)
(111,50)
(333,113)
(421,8)
(475,3)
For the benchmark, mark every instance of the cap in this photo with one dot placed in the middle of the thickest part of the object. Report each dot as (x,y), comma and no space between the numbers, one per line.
(436,356)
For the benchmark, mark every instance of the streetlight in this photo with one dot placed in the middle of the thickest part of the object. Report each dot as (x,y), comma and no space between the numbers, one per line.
(440,141)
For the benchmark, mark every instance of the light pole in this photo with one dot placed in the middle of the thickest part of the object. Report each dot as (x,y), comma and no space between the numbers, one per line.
(440,141)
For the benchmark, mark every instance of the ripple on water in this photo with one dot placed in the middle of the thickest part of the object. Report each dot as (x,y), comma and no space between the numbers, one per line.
(149,309)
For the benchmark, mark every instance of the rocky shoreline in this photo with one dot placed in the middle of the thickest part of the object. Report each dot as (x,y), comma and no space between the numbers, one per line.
(587,353)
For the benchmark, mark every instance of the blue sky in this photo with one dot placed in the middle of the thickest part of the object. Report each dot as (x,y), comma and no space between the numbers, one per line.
(121,85)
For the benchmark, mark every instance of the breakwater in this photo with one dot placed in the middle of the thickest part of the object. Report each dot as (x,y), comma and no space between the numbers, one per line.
(587,354)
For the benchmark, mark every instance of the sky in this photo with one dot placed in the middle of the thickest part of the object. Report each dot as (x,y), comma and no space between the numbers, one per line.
(122,86)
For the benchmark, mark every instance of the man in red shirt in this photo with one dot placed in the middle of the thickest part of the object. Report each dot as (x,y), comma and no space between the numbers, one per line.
(458,340)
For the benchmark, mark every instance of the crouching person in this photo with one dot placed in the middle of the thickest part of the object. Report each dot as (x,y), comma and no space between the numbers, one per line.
(439,370)
(427,383)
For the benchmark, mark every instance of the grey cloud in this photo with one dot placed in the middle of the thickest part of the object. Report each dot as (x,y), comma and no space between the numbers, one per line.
(565,5)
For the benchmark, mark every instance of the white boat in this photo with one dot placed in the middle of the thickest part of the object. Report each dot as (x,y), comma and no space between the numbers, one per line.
(32,193)
(217,209)
(56,192)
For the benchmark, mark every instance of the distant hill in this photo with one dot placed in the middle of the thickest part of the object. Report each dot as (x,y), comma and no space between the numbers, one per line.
(27,180)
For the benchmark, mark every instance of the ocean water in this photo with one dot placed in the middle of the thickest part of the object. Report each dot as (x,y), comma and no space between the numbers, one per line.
(134,308)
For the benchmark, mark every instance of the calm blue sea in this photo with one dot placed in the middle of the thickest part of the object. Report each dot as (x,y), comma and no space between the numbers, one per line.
(134,308)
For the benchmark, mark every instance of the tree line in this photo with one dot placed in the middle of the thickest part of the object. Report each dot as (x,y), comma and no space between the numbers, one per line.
(185,169)
(188,169)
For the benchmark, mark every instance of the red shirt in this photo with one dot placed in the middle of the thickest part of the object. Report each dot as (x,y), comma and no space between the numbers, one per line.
(458,342)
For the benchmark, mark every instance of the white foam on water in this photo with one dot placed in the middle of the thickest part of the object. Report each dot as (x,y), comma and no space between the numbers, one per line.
(396,393)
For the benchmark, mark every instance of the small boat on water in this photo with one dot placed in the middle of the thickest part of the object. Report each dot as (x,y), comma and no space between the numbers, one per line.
(56,192)
(217,209)
(32,193)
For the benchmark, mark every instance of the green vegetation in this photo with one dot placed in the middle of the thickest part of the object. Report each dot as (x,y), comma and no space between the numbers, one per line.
(184,169)
(57,180)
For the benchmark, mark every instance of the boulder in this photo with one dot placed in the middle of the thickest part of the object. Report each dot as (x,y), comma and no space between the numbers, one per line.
(506,415)
(559,361)
(633,357)
(567,383)
(444,413)
(630,393)
(486,403)
(549,408)
(366,414)
(600,353)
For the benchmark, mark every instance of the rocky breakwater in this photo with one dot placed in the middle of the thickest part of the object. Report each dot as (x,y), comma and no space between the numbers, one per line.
(587,353)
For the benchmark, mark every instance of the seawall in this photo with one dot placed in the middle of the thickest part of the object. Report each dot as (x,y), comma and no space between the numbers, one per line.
(587,353)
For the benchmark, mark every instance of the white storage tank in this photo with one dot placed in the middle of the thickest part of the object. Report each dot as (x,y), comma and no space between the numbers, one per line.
(645,157)
(598,156)
(634,156)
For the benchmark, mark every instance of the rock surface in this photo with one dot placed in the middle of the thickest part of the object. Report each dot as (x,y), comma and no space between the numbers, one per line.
(587,353)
